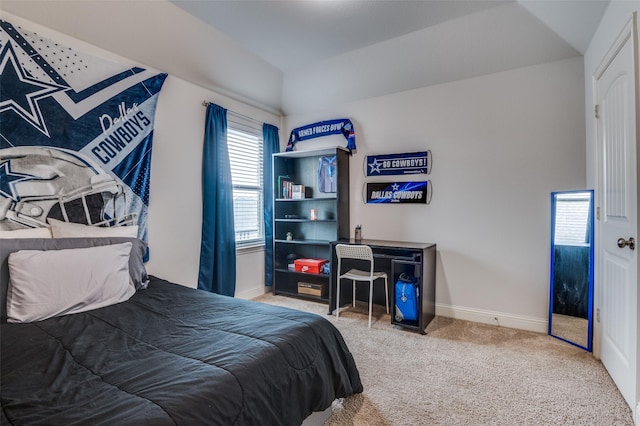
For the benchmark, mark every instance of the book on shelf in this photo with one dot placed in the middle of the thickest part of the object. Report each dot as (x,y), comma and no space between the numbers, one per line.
(282,179)
(285,189)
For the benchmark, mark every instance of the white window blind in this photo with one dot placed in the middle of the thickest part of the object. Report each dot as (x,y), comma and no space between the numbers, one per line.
(572,219)
(244,141)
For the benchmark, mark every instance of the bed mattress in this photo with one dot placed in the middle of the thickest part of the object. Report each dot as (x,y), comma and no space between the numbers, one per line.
(174,355)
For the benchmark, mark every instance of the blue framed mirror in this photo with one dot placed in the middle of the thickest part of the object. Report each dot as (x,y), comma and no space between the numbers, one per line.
(571,271)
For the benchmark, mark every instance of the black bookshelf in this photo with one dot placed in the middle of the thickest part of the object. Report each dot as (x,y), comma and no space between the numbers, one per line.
(309,237)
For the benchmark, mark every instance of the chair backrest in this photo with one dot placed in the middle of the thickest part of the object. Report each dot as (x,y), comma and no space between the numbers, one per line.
(354,251)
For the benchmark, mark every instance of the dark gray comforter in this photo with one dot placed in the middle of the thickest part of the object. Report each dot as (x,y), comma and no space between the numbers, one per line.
(174,355)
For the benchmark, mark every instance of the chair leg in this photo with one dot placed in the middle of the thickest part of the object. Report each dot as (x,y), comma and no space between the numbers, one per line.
(386,293)
(353,301)
(370,300)
(338,299)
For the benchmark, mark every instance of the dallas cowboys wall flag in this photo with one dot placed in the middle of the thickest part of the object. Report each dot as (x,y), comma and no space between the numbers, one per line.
(323,128)
(75,134)
(398,164)
(398,192)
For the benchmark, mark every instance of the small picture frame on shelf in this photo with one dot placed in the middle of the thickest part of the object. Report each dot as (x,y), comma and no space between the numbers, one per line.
(297,192)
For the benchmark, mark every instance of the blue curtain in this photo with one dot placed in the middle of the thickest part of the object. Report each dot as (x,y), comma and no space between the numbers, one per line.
(271,145)
(218,247)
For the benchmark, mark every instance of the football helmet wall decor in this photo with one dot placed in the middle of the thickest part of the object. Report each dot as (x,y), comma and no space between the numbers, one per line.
(37,183)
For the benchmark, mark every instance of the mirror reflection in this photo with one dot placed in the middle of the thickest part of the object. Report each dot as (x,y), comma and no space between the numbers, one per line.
(571,295)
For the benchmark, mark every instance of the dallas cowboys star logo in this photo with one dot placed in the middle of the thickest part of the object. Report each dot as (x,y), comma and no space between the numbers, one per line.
(8,180)
(375,166)
(20,92)
(395,187)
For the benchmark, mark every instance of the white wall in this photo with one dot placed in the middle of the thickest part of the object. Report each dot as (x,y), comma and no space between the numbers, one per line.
(500,143)
(175,207)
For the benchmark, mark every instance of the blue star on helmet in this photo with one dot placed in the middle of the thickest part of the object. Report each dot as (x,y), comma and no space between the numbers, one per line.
(395,187)
(375,166)
(20,92)
(8,180)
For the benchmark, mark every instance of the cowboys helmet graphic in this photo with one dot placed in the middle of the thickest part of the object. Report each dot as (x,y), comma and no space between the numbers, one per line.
(37,183)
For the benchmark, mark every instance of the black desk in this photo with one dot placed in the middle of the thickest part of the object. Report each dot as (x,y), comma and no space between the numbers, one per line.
(392,257)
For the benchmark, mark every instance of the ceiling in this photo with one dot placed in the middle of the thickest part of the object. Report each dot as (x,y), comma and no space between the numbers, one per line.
(291,34)
(321,44)
(296,56)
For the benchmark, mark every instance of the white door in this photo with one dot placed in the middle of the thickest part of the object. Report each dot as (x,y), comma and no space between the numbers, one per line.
(617,309)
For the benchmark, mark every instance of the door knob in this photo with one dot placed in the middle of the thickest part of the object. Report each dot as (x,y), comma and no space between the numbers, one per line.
(631,243)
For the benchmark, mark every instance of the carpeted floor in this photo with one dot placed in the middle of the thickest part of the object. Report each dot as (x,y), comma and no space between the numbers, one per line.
(464,373)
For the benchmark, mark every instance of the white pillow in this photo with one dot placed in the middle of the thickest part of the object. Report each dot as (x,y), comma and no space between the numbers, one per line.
(61,229)
(27,233)
(45,284)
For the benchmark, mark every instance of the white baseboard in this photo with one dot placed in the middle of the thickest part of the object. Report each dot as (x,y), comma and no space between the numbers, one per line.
(637,417)
(501,319)
(252,293)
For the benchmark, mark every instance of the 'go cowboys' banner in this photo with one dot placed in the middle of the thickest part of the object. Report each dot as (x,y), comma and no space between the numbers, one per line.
(398,164)
(72,125)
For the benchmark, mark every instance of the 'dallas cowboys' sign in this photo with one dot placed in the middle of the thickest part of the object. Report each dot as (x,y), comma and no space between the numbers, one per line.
(398,192)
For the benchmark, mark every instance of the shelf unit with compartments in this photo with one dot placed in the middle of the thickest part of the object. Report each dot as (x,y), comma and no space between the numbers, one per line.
(297,232)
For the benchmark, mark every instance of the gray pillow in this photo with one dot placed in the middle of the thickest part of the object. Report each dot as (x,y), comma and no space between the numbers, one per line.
(137,271)
(42,284)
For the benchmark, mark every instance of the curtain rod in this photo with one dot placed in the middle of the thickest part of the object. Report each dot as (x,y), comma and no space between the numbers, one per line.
(207,103)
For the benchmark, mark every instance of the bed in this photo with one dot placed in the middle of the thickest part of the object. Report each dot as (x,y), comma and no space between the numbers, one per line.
(167,355)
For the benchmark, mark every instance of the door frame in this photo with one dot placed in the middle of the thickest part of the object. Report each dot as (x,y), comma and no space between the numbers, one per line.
(629,30)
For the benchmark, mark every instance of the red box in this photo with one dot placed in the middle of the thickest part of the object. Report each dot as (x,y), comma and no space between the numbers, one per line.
(311,266)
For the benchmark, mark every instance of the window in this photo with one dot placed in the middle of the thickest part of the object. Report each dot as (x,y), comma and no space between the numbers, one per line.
(572,219)
(244,141)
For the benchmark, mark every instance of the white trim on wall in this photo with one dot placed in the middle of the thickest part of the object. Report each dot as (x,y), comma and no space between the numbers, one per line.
(251,293)
(501,319)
